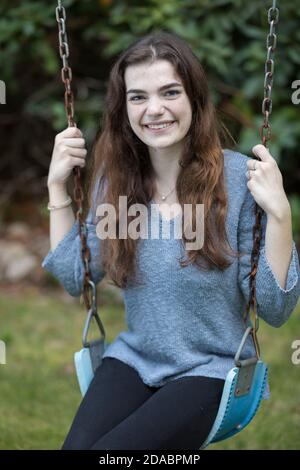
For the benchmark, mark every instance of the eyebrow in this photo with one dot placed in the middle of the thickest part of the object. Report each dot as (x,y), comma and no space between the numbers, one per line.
(169,85)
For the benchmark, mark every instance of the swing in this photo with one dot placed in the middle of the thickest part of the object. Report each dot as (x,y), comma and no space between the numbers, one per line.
(245,383)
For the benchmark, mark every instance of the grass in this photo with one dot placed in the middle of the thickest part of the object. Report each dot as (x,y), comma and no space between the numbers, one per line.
(39,391)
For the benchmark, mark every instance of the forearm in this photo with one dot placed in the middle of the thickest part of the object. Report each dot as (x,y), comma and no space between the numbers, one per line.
(61,220)
(279,243)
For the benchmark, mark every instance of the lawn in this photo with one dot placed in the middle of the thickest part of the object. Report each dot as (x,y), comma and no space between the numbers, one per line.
(39,391)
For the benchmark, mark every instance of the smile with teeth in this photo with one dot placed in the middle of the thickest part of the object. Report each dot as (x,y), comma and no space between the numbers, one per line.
(160,126)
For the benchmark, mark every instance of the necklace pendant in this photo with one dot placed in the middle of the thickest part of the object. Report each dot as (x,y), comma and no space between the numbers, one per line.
(163,198)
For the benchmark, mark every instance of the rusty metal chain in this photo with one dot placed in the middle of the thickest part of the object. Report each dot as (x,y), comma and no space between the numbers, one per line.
(66,75)
(265,129)
(265,134)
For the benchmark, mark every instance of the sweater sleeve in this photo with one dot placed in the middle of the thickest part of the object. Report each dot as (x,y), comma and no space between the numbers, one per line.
(274,304)
(65,262)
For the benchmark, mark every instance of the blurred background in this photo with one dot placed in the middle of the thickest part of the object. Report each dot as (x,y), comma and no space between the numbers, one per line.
(40,323)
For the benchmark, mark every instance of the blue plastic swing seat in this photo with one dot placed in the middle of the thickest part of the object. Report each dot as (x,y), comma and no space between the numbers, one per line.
(237,406)
(84,364)
(237,409)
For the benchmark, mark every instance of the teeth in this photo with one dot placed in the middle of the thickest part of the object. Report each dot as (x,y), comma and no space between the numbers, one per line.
(161,126)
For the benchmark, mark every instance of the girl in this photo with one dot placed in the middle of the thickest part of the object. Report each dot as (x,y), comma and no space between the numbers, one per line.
(160,383)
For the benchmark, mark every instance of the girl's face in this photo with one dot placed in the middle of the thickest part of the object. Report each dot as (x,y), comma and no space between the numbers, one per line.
(147,102)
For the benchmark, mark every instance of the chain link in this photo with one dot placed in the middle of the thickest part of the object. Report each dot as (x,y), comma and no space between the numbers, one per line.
(66,75)
(265,129)
(265,134)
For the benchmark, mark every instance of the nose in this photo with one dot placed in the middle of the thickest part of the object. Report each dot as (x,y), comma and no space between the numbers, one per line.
(155,106)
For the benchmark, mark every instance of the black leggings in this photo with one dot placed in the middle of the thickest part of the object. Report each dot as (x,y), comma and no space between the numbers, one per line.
(120,412)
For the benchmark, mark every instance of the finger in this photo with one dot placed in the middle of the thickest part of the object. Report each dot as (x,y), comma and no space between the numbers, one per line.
(262,152)
(249,174)
(253,164)
(81,153)
(76,161)
(74,142)
(71,131)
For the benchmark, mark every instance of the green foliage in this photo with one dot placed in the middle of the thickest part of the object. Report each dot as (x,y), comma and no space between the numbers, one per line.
(228,37)
(295,207)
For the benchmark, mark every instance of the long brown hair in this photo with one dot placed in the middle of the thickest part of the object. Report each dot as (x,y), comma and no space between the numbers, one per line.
(121,162)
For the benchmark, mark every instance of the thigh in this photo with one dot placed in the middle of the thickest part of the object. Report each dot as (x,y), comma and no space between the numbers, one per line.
(179,415)
(114,393)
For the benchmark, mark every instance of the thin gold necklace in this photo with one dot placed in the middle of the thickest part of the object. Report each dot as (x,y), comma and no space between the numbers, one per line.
(164,196)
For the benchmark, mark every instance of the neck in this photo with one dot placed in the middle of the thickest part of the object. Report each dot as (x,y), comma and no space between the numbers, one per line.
(165,162)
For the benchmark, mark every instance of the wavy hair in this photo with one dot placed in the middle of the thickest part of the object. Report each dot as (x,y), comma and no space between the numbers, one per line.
(120,161)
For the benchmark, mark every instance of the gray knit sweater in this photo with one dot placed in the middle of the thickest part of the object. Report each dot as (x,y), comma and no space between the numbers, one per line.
(184,321)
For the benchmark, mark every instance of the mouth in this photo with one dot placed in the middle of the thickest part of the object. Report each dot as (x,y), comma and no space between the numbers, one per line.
(162,129)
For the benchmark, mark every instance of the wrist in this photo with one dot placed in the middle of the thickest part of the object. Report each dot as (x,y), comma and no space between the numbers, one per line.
(67,203)
(282,214)
(57,193)
(56,186)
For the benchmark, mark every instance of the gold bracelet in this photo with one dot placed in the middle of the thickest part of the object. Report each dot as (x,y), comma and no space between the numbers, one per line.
(68,202)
